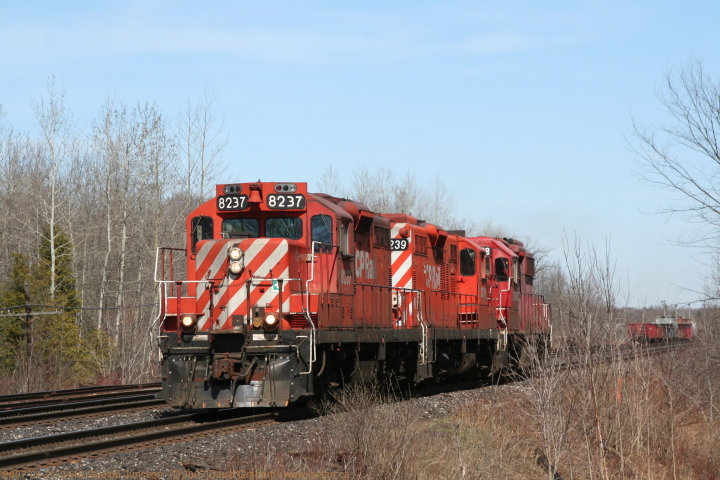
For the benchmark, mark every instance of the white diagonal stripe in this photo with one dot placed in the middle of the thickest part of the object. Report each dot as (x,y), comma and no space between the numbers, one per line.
(240,295)
(218,262)
(401,271)
(200,257)
(272,260)
(237,299)
(271,293)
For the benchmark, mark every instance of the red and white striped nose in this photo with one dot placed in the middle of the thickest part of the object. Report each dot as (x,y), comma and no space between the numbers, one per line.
(255,267)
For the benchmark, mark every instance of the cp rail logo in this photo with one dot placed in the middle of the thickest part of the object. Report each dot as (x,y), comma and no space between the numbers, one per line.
(364,265)
(432,276)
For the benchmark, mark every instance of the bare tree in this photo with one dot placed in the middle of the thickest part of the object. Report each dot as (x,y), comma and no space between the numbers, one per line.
(407,194)
(683,155)
(375,189)
(330,183)
(379,191)
(201,140)
(14,150)
(57,148)
(439,206)
(116,194)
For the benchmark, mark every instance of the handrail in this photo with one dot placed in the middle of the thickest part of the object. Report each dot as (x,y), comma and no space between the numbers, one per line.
(502,341)
(306,310)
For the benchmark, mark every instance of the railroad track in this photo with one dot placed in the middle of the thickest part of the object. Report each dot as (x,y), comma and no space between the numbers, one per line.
(36,399)
(47,414)
(47,451)
(41,452)
(572,357)
(53,450)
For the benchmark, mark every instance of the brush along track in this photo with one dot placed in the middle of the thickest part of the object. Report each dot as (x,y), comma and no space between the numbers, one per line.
(57,449)
(36,399)
(23,417)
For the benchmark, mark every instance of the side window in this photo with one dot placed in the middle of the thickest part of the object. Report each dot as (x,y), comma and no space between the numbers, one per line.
(343,240)
(501,269)
(529,270)
(321,226)
(201,229)
(530,266)
(467,262)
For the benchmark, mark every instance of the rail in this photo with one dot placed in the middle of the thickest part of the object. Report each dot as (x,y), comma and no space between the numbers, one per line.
(6,400)
(148,433)
(83,409)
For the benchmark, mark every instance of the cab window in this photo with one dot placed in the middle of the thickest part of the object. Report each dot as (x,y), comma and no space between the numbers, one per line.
(501,269)
(241,227)
(284,227)
(343,240)
(201,229)
(321,227)
(467,262)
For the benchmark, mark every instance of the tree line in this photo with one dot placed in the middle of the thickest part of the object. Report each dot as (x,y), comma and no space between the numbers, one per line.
(81,217)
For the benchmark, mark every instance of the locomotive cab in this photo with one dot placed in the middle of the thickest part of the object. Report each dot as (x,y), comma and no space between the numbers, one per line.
(501,269)
(511,271)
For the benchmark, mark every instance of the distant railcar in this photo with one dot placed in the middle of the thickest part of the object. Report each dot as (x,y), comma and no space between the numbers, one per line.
(663,329)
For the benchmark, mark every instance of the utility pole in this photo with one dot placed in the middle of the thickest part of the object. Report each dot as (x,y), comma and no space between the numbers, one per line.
(28,335)
(29,319)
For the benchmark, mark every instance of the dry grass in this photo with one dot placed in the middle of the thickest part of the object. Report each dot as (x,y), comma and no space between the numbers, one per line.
(367,435)
(651,418)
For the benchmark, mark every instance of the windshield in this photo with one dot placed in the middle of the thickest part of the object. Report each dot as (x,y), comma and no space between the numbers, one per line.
(241,227)
(284,227)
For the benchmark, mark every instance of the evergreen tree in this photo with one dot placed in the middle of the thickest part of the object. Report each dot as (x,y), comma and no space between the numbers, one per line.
(12,329)
(60,355)
(60,343)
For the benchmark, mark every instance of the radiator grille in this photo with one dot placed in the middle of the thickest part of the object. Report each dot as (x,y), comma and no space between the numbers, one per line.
(299,322)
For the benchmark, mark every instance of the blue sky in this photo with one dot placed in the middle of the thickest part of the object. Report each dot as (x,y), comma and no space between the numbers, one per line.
(523,107)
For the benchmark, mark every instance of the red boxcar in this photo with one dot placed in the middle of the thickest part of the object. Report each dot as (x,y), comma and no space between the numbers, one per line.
(662,329)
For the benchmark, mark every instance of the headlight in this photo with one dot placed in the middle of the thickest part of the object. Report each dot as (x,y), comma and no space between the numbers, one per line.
(271,321)
(235,253)
(187,322)
(235,268)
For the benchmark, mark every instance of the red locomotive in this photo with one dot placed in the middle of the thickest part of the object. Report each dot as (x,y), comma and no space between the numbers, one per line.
(281,294)
(663,329)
